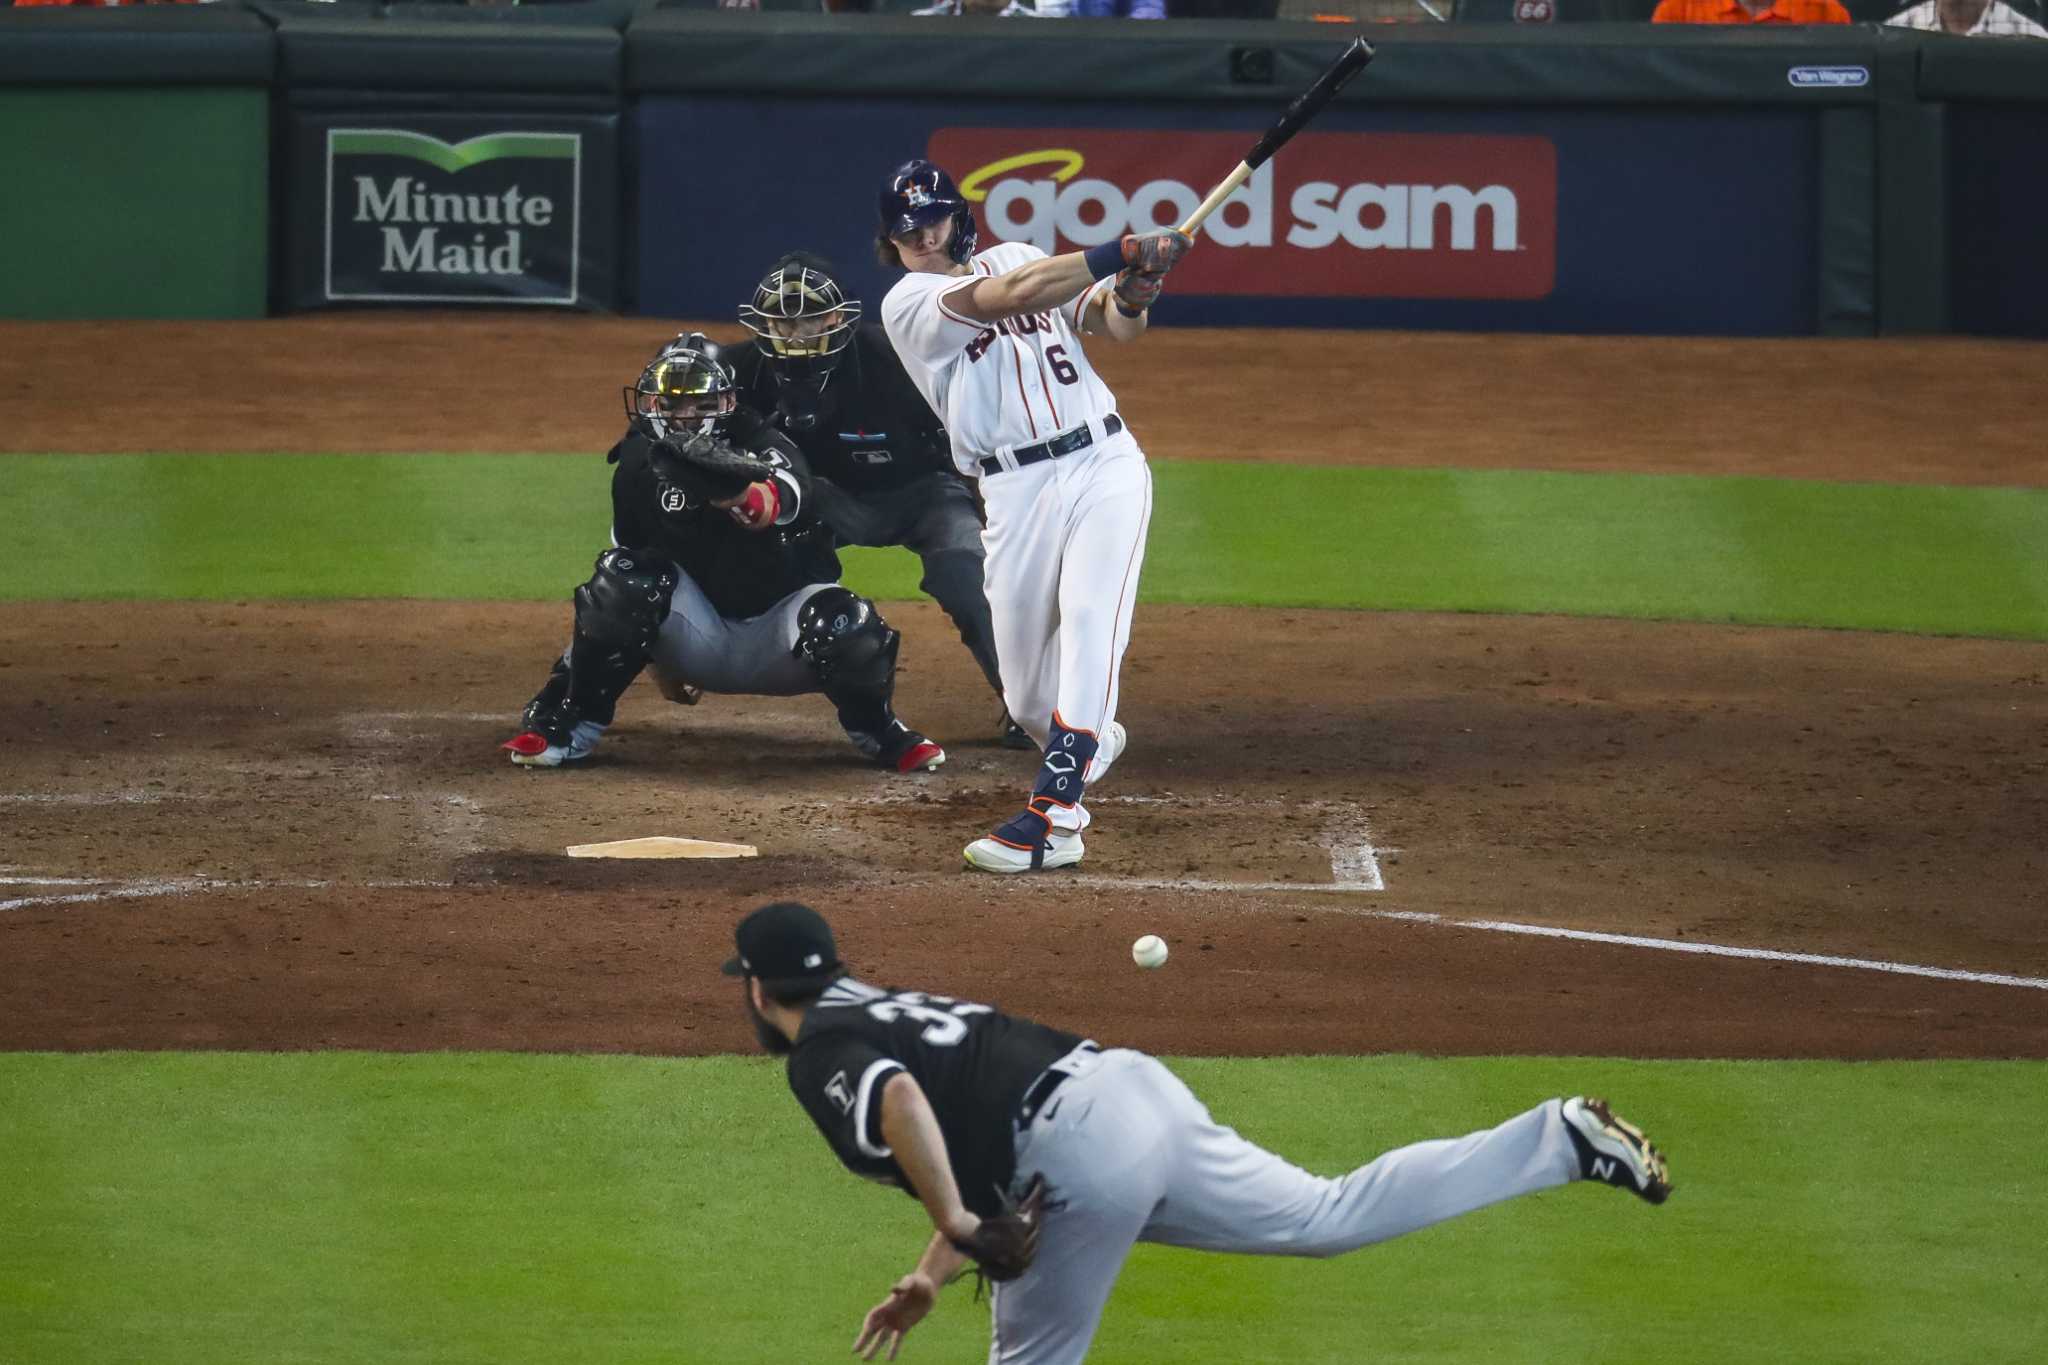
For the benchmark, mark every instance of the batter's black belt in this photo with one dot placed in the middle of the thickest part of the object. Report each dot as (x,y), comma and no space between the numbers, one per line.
(1040,1091)
(1066,443)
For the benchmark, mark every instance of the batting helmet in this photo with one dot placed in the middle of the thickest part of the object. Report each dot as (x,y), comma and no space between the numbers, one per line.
(917,193)
(686,388)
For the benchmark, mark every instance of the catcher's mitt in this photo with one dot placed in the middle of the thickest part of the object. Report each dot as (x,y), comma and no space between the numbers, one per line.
(707,467)
(1003,1247)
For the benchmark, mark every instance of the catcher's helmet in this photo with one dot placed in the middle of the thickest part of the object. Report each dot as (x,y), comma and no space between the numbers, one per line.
(686,388)
(917,193)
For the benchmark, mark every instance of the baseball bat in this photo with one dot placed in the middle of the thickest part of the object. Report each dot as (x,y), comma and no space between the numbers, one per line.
(1306,106)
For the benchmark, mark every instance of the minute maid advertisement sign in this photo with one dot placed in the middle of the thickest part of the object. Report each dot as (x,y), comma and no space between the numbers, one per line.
(414,219)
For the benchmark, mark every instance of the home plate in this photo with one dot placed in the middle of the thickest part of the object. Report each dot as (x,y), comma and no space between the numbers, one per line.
(663,846)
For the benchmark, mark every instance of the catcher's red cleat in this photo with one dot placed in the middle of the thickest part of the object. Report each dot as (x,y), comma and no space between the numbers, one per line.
(526,744)
(920,757)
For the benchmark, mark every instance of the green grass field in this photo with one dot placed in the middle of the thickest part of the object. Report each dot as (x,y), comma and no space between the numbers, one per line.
(207,1208)
(348,1207)
(1968,561)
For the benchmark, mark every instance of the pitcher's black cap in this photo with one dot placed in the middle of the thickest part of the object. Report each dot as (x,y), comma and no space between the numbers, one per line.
(785,941)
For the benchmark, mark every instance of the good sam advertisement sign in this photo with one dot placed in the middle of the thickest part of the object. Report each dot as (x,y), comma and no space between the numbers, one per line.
(413,218)
(1365,215)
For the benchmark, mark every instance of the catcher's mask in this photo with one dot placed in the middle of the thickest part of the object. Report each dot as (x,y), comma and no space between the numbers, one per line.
(802,322)
(686,389)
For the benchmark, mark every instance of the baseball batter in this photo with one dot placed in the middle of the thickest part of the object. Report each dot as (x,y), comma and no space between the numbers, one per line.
(1045,1157)
(993,341)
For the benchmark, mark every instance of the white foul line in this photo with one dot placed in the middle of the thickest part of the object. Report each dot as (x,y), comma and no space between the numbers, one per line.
(1674,945)
(185,886)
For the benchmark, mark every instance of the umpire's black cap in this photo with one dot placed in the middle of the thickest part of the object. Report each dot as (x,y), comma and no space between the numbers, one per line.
(785,941)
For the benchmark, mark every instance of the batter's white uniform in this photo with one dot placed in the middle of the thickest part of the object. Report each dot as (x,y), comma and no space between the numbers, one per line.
(1066,533)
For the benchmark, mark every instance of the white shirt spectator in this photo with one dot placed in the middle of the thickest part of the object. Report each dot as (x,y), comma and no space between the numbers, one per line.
(1998,20)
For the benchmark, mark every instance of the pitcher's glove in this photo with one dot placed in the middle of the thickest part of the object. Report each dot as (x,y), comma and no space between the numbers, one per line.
(1003,1247)
(706,466)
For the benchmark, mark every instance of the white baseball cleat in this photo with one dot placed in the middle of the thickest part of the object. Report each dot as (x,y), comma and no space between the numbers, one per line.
(992,854)
(1108,751)
(532,749)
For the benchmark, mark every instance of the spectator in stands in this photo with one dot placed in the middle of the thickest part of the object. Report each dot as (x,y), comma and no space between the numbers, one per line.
(1750,12)
(1971,18)
(1002,9)
(1120,9)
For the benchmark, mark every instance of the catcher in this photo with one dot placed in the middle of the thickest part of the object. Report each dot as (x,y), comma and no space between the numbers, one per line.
(720,577)
(881,465)
(1043,1158)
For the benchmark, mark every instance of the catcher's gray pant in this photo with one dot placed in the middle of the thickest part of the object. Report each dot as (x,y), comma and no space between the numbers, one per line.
(934,518)
(699,648)
(1130,1155)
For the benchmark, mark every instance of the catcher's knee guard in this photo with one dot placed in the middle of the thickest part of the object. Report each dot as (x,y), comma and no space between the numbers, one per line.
(847,643)
(626,600)
(852,650)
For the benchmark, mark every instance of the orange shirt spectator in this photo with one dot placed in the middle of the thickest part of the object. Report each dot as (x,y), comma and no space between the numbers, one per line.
(1744,12)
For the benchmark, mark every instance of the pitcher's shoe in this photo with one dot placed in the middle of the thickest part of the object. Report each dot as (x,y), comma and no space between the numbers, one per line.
(1113,740)
(900,749)
(1614,1150)
(1028,842)
(551,747)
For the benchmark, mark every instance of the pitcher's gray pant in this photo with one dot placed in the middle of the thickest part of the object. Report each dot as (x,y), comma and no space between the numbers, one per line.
(1130,1155)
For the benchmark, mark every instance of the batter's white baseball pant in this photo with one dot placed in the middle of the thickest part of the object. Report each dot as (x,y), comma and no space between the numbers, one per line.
(1065,542)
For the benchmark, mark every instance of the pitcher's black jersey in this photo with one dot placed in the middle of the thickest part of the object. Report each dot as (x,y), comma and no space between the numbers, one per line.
(973,1063)
(742,572)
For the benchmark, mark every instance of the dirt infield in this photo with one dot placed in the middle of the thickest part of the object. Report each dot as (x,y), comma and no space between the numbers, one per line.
(286,825)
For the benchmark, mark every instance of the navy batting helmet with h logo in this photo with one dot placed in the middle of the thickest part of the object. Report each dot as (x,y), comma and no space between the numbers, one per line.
(918,193)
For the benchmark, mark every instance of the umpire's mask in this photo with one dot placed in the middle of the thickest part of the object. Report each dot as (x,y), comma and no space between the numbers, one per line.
(802,322)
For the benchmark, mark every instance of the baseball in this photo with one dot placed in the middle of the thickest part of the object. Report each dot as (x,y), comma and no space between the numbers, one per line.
(1149,951)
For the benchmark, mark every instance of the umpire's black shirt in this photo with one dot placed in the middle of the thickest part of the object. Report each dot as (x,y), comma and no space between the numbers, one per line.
(874,429)
(972,1062)
(742,572)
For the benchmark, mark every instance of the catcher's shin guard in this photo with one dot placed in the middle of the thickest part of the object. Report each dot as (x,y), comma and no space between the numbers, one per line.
(852,651)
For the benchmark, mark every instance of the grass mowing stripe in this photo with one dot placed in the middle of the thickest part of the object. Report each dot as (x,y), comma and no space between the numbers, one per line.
(339,1207)
(1964,561)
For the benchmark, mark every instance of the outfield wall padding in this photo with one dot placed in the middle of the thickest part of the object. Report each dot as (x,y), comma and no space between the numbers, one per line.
(1890,171)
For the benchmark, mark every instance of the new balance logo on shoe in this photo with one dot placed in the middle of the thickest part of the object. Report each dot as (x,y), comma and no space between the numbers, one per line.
(1614,1151)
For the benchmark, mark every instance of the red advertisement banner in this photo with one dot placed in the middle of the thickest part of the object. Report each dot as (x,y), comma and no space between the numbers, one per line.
(1334,215)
